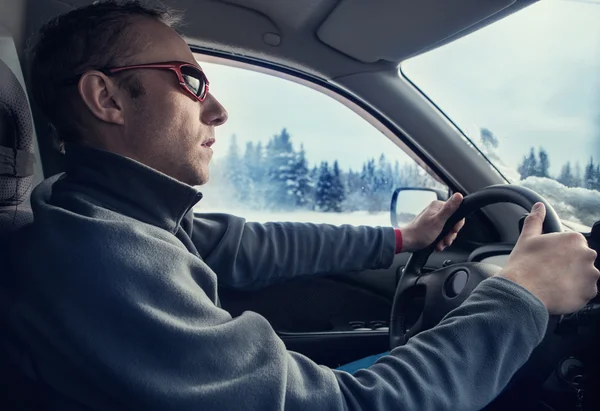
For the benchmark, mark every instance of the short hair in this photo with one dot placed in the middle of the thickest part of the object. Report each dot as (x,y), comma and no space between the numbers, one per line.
(86,38)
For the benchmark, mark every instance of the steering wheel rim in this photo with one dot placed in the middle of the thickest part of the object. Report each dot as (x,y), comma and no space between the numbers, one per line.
(452,285)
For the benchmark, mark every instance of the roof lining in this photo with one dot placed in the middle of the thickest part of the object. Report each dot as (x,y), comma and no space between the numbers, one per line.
(393,31)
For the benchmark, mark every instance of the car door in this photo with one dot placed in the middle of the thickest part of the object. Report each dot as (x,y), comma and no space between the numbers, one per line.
(291,153)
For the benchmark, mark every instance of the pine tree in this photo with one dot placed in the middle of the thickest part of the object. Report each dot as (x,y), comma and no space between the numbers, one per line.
(532,167)
(280,175)
(384,184)
(369,186)
(522,169)
(314,178)
(301,178)
(247,167)
(396,175)
(528,167)
(337,194)
(255,175)
(354,198)
(232,159)
(314,174)
(235,172)
(544,164)
(323,194)
(566,177)
(589,178)
(253,157)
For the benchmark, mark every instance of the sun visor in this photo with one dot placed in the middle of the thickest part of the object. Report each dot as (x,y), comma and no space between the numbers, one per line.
(393,30)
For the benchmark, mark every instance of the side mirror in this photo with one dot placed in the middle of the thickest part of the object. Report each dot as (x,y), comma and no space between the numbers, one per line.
(408,202)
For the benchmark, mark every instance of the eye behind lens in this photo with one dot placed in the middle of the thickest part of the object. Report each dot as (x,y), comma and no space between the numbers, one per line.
(194,79)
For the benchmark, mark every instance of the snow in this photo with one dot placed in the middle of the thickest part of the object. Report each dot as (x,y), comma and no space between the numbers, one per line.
(578,205)
(353,218)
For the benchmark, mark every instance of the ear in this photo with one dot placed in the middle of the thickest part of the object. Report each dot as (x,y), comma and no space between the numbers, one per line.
(102,97)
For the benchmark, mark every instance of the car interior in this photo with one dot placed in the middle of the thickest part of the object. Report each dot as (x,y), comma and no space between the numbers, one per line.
(349,50)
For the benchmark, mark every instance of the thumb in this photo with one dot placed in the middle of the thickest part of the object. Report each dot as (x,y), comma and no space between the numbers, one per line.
(534,221)
(450,206)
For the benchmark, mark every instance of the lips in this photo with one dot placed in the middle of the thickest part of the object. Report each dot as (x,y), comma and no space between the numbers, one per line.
(208,143)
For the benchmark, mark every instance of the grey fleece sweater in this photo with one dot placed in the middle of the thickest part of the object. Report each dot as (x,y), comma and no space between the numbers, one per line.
(118,305)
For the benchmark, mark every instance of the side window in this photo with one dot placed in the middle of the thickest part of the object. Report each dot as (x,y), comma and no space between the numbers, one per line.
(291,153)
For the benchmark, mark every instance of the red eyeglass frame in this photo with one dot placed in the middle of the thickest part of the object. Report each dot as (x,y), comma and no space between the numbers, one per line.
(174,66)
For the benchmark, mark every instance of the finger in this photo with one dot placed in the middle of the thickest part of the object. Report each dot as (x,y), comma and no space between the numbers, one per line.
(450,206)
(446,242)
(451,236)
(534,221)
(450,239)
(592,255)
(458,226)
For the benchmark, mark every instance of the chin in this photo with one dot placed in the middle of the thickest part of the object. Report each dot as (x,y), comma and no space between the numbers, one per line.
(200,176)
(202,181)
(194,172)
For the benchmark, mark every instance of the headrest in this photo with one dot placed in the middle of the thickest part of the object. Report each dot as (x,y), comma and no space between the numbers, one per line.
(16,140)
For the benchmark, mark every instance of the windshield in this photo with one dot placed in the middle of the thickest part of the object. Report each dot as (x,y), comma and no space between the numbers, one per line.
(526,91)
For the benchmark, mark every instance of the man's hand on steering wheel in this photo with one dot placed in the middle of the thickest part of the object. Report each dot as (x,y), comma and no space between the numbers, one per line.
(428,225)
(558,268)
(555,266)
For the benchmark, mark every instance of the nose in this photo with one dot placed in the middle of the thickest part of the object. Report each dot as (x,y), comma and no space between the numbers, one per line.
(213,113)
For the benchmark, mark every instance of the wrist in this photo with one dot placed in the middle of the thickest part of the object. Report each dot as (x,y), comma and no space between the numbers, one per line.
(516,277)
(399,241)
(408,240)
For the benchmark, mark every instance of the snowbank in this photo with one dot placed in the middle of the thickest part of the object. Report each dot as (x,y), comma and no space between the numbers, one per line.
(579,205)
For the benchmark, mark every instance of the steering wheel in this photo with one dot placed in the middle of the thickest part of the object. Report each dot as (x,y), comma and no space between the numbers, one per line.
(440,291)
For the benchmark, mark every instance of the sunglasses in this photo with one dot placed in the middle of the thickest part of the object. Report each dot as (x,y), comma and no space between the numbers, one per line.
(191,78)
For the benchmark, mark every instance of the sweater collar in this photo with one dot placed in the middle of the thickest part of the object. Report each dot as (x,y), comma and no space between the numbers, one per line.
(130,187)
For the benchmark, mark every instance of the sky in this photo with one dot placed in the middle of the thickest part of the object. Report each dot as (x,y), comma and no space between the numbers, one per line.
(261,105)
(533,79)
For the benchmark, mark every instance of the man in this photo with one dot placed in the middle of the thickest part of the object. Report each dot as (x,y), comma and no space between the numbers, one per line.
(118,280)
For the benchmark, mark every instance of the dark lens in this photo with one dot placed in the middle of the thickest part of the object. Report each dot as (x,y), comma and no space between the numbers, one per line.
(194,79)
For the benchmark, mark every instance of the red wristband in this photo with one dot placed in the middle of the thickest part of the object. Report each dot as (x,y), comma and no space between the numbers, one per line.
(398,240)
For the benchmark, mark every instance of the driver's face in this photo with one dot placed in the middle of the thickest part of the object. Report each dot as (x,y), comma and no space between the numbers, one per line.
(167,128)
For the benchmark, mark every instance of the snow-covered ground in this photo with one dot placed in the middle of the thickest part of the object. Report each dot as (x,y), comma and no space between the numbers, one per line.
(353,218)
(577,205)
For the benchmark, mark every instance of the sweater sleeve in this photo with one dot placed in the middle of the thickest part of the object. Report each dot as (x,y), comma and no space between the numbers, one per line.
(130,324)
(461,364)
(251,255)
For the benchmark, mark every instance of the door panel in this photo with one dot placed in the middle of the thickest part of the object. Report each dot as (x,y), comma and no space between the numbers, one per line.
(334,319)
(318,316)
(313,305)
